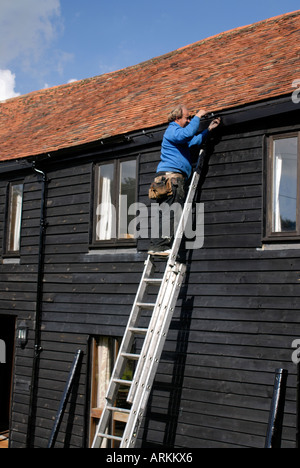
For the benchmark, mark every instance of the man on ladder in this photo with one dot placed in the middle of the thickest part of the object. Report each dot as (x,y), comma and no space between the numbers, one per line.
(175,168)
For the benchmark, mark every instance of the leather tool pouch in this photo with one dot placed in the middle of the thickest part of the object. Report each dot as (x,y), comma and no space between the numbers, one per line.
(161,187)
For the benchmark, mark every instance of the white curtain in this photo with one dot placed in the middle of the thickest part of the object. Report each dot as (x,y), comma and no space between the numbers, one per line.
(104,369)
(17,228)
(105,210)
(104,373)
(277,180)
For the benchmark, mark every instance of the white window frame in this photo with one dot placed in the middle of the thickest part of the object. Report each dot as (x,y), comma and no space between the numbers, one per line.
(273,231)
(14,211)
(109,193)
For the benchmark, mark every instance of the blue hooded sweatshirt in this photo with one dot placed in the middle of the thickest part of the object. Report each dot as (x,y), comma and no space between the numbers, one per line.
(175,148)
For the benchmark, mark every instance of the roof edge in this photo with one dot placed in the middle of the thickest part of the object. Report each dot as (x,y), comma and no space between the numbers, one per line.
(238,29)
(230,116)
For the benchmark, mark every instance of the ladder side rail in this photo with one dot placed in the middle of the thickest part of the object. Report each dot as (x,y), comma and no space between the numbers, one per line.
(186,212)
(171,261)
(150,333)
(163,323)
(102,426)
(128,337)
(186,208)
(149,371)
(200,161)
(156,335)
(120,363)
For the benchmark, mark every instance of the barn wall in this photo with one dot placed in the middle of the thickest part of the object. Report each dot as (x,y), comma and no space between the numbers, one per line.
(18,290)
(236,319)
(233,325)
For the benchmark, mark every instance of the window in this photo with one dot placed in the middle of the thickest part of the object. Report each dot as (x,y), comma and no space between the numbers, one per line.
(283,194)
(115,190)
(103,357)
(14,218)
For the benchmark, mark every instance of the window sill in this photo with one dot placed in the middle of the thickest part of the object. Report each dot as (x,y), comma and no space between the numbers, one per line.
(112,251)
(279,246)
(121,254)
(11,261)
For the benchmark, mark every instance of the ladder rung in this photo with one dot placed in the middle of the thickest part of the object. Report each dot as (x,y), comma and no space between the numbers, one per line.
(108,436)
(154,280)
(134,357)
(138,331)
(123,382)
(145,305)
(119,410)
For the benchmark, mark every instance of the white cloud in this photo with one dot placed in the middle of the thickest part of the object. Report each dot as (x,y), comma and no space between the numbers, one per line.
(29,34)
(7,85)
(27,27)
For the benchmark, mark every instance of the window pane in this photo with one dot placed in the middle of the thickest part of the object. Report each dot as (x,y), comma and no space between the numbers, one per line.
(105,211)
(127,196)
(285,185)
(15,217)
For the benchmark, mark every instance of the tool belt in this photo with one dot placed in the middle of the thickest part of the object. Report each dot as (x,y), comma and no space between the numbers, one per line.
(162,186)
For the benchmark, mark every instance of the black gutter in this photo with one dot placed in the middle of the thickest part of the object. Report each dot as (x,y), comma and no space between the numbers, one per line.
(38,311)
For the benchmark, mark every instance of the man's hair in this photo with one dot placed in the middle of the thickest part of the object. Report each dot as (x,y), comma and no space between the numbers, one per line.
(176,113)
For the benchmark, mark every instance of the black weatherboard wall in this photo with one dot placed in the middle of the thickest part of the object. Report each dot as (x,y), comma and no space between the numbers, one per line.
(238,313)
(234,323)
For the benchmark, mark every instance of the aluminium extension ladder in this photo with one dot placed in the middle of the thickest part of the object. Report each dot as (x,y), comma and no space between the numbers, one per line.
(154,337)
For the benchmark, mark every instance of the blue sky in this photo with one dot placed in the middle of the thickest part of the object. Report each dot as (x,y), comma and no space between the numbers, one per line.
(44,43)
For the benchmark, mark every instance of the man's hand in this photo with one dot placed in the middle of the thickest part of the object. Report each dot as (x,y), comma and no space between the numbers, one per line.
(214,124)
(201,113)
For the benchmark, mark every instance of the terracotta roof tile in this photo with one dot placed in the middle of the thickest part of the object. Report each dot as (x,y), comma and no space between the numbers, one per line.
(234,68)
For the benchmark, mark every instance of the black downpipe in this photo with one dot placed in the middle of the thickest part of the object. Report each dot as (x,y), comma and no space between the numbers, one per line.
(274,431)
(38,311)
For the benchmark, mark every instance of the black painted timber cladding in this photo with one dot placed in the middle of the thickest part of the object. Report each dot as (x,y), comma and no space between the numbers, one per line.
(234,323)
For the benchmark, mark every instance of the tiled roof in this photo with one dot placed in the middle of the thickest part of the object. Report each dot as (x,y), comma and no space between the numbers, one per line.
(231,69)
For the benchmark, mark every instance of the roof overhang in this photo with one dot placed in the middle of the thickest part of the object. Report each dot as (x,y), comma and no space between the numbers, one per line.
(143,138)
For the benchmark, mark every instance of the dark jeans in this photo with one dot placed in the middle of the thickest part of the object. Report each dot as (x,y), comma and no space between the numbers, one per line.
(167,220)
